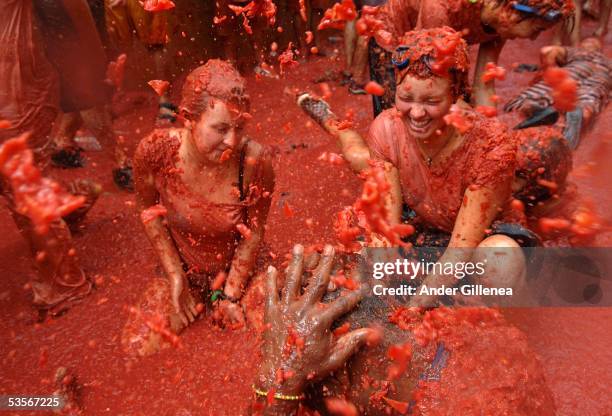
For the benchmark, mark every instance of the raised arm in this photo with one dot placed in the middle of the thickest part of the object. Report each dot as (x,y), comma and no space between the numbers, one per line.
(298,345)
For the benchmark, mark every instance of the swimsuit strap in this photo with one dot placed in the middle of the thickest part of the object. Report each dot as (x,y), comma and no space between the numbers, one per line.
(241,171)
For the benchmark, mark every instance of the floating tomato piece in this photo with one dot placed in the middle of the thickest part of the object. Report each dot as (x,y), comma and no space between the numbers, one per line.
(493,72)
(218,281)
(337,16)
(458,119)
(287,210)
(218,20)
(374,88)
(517,205)
(564,88)
(5,124)
(487,111)
(309,37)
(286,59)
(342,329)
(340,407)
(303,15)
(401,407)
(159,86)
(115,71)
(158,5)
(225,156)
(369,25)
(151,213)
(41,199)
(550,225)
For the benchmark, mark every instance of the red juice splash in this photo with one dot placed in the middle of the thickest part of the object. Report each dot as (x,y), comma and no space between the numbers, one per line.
(157,5)
(564,88)
(159,86)
(41,199)
(338,15)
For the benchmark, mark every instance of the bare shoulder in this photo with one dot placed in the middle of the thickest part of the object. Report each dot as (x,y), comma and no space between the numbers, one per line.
(258,152)
(159,147)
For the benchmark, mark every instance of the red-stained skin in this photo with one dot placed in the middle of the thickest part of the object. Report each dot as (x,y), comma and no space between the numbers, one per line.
(213,372)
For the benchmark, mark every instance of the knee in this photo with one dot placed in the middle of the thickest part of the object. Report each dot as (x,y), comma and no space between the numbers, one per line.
(499,241)
(503,259)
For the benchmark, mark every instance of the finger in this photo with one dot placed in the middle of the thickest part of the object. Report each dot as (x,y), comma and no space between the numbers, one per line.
(272,295)
(342,305)
(345,347)
(184,319)
(294,273)
(193,307)
(320,278)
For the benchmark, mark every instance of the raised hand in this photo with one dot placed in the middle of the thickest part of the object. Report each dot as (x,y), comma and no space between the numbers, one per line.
(298,343)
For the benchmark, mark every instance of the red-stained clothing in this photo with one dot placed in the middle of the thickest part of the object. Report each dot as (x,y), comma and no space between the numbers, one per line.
(205,232)
(29,88)
(73,46)
(401,16)
(486,157)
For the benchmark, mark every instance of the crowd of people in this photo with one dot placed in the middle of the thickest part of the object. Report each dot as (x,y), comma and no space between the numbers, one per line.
(447,173)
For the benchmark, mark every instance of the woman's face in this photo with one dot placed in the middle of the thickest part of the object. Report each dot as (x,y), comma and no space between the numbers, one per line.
(218,129)
(512,24)
(423,104)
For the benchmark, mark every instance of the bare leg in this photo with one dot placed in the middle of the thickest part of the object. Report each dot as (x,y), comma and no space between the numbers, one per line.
(487,52)
(360,60)
(59,278)
(350,43)
(604,17)
(67,154)
(574,34)
(505,266)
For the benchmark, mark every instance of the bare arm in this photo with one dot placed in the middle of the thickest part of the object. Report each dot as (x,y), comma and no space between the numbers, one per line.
(487,52)
(161,240)
(246,252)
(479,209)
(354,148)
(553,56)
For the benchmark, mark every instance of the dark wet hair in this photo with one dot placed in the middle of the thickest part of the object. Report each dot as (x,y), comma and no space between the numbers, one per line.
(215,79)
(543,155)
(420,55)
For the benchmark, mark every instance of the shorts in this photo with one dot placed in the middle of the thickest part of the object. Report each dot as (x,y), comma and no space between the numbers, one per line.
(122,22)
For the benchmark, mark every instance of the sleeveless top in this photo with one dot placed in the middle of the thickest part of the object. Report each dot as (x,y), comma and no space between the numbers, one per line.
(486,157)
(205,232)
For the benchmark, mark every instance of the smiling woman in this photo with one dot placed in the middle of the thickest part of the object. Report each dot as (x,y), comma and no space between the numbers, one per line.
(453,167)
(214,186)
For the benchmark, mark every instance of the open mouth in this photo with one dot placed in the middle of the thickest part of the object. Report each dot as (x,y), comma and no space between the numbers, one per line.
(419,126)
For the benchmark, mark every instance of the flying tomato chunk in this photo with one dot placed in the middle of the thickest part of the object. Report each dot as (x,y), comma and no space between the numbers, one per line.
(159,86)
(338,15)
(564,88)
(374,88)
(340,407)
(40,199)
(158,5)
(151,213)
(493,72)
(115,71)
